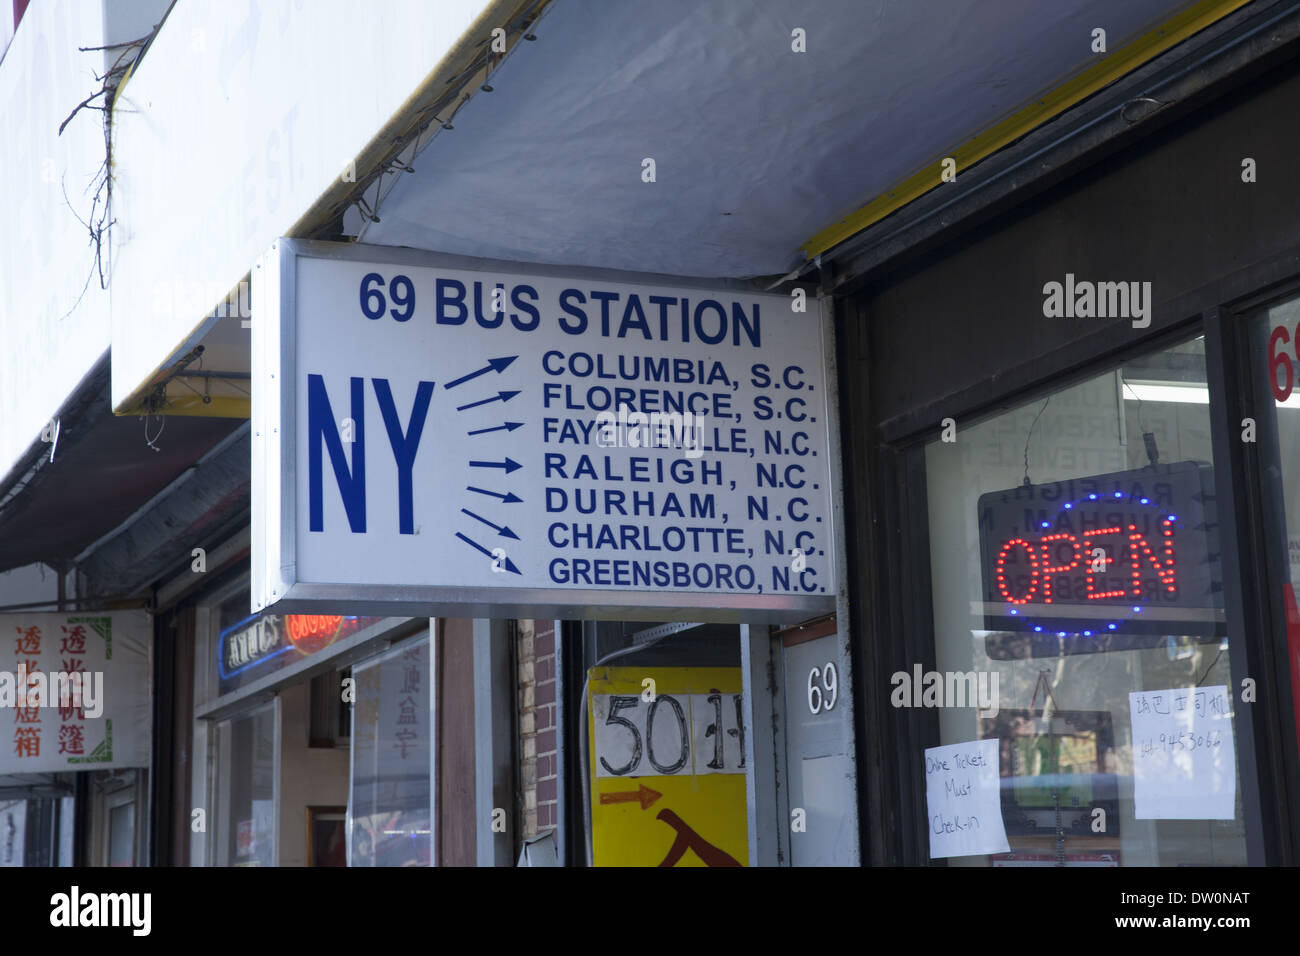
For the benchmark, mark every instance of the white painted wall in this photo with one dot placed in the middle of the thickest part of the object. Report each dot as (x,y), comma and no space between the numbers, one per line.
(52,334)
(241,115)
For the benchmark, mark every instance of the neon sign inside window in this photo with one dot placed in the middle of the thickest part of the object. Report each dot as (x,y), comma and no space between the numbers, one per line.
(1130,552)
(1090,554)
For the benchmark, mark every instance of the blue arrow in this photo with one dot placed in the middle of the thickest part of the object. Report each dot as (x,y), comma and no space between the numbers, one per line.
(509,465)
(509,498)
(509,565)
(498,397)
(508,426)
(500,529)
(493,365)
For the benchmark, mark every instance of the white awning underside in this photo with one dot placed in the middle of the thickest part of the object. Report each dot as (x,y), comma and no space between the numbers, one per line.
(756,147)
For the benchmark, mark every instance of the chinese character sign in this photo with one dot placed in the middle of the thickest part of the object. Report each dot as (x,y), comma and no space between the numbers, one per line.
(75,691)
(1184,762)
(405,706)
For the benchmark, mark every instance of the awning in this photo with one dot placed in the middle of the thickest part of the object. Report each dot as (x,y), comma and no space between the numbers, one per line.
(776,131)
(768,122)
(104,469)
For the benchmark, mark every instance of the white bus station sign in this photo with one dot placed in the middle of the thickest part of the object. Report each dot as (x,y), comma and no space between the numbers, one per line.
(436,435)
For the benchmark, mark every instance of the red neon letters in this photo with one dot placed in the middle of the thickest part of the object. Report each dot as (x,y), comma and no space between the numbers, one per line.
(1060,554)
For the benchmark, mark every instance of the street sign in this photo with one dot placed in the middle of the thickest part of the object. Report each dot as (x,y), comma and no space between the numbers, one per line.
(438,435)
(667,766)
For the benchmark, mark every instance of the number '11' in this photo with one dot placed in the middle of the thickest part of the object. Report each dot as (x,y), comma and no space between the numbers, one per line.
(715,731)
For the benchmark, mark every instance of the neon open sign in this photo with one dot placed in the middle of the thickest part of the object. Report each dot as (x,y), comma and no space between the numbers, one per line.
(263,642)
(1097,560)
(1092,551)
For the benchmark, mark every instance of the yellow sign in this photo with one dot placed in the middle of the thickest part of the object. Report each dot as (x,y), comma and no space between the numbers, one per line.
(667,766)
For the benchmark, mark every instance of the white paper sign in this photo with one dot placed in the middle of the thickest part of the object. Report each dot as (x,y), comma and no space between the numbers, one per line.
(964,800)
(1183,757)
(13,832)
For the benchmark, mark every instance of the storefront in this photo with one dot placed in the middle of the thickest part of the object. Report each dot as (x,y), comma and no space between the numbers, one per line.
(1070,449)
(76,715)
(311,737)
(521,500)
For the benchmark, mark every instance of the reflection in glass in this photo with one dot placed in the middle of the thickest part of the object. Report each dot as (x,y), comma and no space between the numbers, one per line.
(244,830)
(389,805)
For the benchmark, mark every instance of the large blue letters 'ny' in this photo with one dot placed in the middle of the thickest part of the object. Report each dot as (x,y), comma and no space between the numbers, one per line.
(322,428)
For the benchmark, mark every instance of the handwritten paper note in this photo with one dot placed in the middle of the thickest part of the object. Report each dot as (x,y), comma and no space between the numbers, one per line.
(963,800)
(1183,757)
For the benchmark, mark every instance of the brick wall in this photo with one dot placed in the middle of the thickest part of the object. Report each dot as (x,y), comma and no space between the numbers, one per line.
(538,741)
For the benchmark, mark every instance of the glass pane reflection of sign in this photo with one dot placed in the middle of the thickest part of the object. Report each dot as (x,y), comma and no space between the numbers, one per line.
(1108,562)
(265,643)
(391,753)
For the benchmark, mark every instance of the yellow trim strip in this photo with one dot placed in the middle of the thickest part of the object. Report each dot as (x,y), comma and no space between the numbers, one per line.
(1175,30)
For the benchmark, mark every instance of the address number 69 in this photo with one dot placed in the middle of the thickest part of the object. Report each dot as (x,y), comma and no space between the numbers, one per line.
(823,688)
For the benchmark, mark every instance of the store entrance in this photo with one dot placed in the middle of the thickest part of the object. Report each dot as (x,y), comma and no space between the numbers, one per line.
(818,747)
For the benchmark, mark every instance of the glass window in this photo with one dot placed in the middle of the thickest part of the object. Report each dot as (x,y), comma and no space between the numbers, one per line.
(13,832)
(244,775)
(248,647)
(1077,594)
(389,809)
(1275,353)
(121,834)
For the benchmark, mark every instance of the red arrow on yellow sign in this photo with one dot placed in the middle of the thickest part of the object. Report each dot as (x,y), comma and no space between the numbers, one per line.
(644,796)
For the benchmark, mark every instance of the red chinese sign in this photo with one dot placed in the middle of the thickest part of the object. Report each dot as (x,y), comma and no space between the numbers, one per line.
(75,691)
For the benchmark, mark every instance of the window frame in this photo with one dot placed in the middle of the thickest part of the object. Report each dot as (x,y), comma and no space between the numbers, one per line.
(213,764)
(900,622)
(428,636)
(1260,512)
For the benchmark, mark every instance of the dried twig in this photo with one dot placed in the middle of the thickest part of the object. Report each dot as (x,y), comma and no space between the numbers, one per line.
(100,221)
